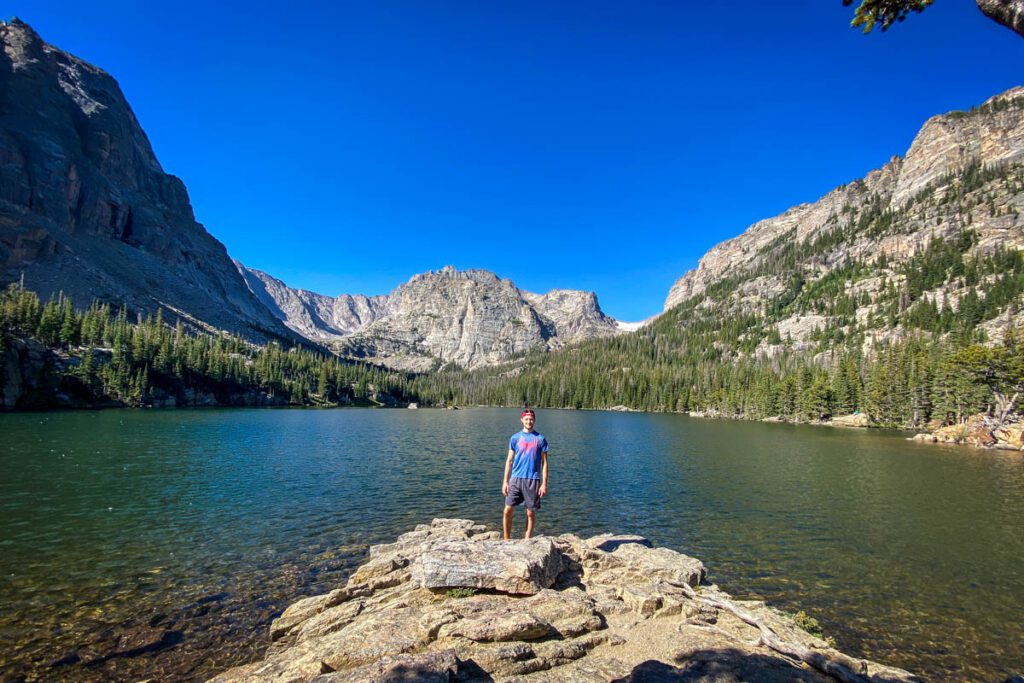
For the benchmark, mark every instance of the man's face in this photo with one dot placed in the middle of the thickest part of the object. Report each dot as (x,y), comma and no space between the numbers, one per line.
(527,421)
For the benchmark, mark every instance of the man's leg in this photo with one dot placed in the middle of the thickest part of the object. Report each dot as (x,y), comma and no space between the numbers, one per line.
(529,524)
(506,521)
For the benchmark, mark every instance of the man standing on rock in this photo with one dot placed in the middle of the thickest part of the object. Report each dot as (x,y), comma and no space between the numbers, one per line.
(527,463)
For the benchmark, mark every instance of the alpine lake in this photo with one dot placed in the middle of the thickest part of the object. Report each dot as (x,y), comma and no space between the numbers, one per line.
(161,543)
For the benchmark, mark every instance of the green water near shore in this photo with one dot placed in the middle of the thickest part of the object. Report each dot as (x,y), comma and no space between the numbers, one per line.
(206,523)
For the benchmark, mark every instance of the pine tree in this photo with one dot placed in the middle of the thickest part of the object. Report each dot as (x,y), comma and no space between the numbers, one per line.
(70,327)
(48,329)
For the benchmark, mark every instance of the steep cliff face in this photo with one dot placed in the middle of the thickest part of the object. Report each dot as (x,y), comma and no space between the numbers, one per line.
(757,242)
(85,206)
(314,316)
(471,318)
(993,134)
(962,182)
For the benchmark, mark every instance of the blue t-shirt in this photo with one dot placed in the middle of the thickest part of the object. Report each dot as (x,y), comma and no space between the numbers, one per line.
(527,447)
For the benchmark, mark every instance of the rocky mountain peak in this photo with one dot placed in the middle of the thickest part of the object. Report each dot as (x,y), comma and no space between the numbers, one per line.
(451,273)
(1013,93)
(988,136)
(315,316)
(85,206)
(467,317)
(22,44)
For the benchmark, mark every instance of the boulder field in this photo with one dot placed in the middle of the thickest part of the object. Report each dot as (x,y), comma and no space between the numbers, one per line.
(450,601)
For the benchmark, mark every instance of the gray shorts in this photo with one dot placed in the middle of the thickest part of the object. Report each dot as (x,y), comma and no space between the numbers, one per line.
(524,491)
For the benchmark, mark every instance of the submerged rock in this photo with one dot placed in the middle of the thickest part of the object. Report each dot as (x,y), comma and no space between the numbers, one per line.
(448,601)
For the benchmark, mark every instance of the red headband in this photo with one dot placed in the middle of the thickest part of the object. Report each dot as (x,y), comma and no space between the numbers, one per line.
(527,412)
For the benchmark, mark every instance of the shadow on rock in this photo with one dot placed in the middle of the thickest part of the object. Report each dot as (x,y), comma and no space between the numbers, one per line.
(471,672)
(615,542)
(725,665)
(571,575)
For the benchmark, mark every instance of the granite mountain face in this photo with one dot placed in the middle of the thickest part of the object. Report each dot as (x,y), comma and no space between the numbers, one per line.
(314,316)
(86,208)
(874,299)
(895,250)
(468,318)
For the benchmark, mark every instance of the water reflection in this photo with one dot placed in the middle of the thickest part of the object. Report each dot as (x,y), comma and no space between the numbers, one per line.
(908,553)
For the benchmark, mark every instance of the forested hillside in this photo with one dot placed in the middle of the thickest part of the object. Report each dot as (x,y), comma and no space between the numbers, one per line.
(679,364)
(676,364)
(898,296)
(104,357)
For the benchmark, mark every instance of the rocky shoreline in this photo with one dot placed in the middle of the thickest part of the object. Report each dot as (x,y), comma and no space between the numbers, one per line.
(31,378)
(979,431)
(450,601)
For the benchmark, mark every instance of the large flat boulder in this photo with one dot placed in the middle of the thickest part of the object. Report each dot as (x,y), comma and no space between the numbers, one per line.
(660,563)
(522,567)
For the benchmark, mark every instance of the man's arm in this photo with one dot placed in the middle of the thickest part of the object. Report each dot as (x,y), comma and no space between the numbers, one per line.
(544,474)
(508,469)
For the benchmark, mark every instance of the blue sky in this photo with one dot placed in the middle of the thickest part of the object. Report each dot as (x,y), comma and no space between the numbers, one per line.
(344,147)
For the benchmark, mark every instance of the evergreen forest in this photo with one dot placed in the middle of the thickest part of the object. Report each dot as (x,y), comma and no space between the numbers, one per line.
(940,370)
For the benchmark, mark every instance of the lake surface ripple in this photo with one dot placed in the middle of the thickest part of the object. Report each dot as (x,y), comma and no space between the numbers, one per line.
(205,524)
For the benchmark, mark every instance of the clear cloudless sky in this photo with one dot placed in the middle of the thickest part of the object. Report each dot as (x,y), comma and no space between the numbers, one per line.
(597,144)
